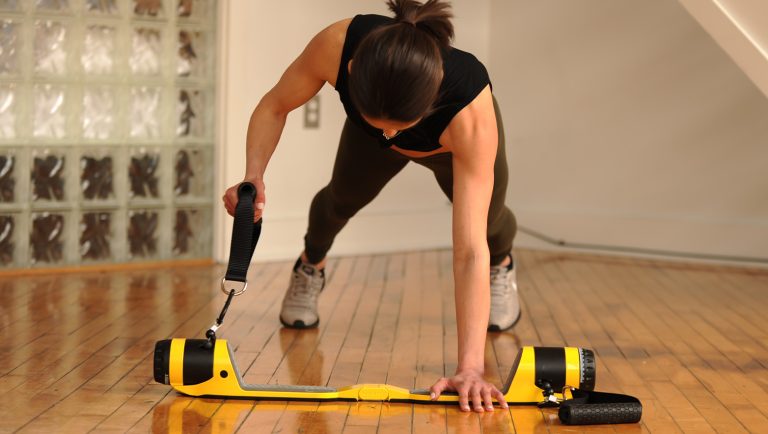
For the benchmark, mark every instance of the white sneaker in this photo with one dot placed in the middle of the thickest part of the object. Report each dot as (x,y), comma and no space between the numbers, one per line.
(299,308)
(505,304)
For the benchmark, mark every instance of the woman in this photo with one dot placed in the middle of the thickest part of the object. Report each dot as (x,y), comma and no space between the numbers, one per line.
(409,96)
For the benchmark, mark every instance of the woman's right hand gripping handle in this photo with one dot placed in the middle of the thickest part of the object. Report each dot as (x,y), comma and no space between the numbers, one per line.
(230,198)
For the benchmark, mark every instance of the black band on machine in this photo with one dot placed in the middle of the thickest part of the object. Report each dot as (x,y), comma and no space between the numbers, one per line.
(588,369)
(198,362)
(161,365)
(550,366)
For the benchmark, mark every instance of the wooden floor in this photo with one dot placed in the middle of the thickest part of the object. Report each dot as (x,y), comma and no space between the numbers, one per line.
(689,340)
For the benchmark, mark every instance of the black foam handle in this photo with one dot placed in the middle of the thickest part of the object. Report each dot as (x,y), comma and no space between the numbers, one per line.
(594,408)
(595,414)
(245,234)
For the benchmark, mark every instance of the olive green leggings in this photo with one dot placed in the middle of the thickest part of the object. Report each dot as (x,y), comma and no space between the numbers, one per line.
(363,168)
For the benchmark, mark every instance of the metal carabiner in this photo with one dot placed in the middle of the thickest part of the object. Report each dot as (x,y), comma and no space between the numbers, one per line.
(233,285)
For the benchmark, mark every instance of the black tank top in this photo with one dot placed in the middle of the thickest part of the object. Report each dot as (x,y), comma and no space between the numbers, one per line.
(464,77)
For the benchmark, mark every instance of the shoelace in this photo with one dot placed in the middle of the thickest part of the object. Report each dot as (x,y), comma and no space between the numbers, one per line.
(499,286)
(303,290)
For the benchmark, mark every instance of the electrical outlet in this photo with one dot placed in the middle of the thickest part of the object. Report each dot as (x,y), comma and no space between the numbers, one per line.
(312,113)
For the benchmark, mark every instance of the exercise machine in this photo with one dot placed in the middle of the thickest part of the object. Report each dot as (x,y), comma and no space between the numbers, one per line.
(561,377)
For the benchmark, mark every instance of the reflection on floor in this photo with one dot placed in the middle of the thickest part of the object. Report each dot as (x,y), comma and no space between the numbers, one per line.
(683,338)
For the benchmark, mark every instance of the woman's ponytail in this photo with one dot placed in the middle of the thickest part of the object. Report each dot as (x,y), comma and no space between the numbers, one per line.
(433,16)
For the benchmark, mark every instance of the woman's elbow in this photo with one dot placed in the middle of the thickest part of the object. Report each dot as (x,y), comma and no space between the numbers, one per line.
(269,106)
(469,256)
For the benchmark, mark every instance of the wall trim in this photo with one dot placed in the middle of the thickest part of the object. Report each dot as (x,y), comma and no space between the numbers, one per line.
(745,238)
(220,148)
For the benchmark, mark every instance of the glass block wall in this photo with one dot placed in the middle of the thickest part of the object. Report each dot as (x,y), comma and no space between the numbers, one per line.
(106,131)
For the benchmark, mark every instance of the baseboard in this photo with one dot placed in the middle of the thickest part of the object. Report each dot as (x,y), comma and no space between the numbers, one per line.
(745,238)
(372,233)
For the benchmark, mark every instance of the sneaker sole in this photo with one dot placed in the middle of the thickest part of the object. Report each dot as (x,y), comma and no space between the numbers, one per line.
(299,324)
(495,328)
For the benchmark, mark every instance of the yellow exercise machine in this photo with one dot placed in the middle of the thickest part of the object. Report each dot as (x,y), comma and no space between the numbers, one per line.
(561,377)
(192,368)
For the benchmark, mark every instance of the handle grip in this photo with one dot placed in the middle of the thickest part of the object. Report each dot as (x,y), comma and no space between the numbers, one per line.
(594,414)
(246,191)
(245,235)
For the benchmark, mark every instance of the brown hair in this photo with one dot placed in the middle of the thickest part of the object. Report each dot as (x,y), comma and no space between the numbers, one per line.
(398,68)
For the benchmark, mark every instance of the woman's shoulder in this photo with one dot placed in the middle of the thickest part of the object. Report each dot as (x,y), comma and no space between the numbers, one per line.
(323,53)
(465,74)
(465,78)
(345,34)
(463,63)
(336,33)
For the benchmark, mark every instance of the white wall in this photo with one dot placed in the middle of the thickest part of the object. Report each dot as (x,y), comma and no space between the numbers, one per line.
(257,42)
(627,124)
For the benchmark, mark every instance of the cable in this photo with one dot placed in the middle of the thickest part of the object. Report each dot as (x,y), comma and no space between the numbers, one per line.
(639,250)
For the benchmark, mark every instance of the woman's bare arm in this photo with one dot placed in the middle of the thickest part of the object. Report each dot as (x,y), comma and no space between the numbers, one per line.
(472,137)
(316,65)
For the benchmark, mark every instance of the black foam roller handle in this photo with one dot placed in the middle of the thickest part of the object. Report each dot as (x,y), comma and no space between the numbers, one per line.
(596,414)
(595,408)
